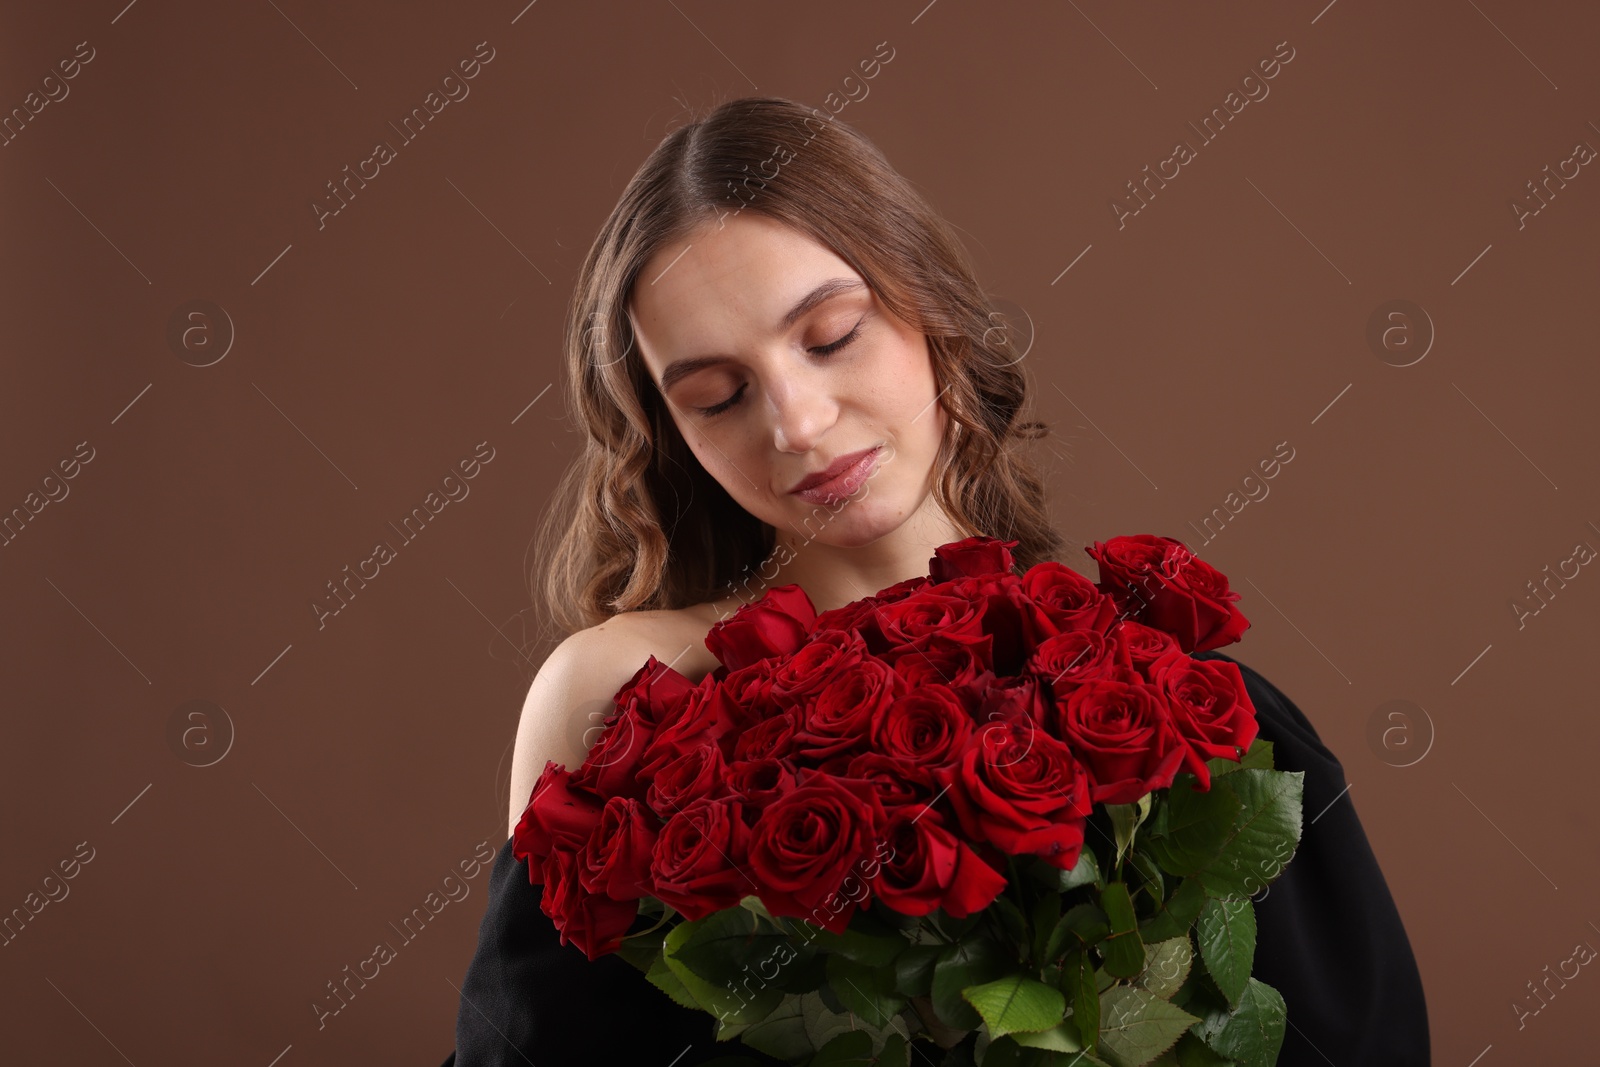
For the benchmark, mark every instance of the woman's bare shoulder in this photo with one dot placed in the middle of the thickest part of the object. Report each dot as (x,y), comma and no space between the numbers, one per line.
(672,635)
(571,695)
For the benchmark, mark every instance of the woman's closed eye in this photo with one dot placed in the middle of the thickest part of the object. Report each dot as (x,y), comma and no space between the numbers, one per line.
(822,350)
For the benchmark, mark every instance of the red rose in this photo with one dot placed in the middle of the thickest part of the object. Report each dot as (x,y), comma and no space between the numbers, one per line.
(839,718)
(694,773)
(926,726)
(896,781)
(1216,621)
(945,660)
(611,769)
(858,616)
(558,818)
(954,616)
(761,782)
(1000,603)
(751,688)
(593,922)
(616,861)
(698,856)
(928,867)
(771,738)
(1059,599)
(1022,791)
(654,692)
(708,716)
(1069,659)
(804,846)
(902,589)
(1159,582)
(1145,644)
(1209,704)
(775,625)
(1122,732)
(863,615)
(828,654)
(972,555)
(1012,698)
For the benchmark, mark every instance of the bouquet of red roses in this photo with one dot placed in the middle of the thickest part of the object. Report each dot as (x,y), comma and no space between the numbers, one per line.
(1009,814)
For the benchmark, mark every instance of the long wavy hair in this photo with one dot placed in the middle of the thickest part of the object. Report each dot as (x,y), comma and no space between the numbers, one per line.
(637,522)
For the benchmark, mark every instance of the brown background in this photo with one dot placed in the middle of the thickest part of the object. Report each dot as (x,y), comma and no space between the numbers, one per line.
(370,757)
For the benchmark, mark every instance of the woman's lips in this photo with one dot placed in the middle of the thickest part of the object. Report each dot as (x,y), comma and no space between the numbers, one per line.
(844,483)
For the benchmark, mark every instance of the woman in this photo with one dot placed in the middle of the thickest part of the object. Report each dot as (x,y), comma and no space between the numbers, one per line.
(788,373)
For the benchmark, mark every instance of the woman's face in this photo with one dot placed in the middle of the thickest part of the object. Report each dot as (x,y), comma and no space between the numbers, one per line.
(776,362)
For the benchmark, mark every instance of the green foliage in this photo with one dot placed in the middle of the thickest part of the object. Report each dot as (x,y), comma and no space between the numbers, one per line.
(1252,1033)
(1122,950)
(966,963)
(1166,965)
(1136,1027)
(1015,1003)
(1227,937)
(1237,837)
(731,1004)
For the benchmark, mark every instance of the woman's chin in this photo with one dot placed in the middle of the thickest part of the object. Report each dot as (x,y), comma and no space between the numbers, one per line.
(858,522)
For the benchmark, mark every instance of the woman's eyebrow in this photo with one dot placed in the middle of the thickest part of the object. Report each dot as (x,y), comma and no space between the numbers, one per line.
(832,287)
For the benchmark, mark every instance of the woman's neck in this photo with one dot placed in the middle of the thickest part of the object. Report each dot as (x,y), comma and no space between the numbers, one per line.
(834,575)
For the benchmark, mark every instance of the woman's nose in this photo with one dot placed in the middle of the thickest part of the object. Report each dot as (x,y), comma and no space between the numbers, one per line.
(802,410)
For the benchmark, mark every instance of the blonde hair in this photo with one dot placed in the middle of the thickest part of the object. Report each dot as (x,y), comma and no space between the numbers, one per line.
(637,522)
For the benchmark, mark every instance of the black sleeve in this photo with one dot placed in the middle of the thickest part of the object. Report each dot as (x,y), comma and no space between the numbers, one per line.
(528,999)
(1328,934)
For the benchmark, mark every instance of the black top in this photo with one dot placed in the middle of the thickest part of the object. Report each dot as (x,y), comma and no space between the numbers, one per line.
(1329,939)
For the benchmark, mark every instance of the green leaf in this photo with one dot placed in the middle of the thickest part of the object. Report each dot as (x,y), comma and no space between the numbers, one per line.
(802,1026)
(1154,885)
(1136,1027)
(1166,965)
(754,904)
(1015,1003)
(1012,922)
(955,929)
(1083,998)
(1262,756)
(913,969)
(1056,1039)
(1177,913)
(1122,951)
(744,1005)
(728,947)
(1125,820)
(966,963)
(1085,872)
(1227,937)
(804,974)
(850,1047)
(783,1033)
(643,952)
(1192,1052)
(867,991)
(822,1024)
(1264,833)
(1253,1033)
(1083,924)
(896,1052)
(868,939)
(1196,826)
(1259,758)
(661,976)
